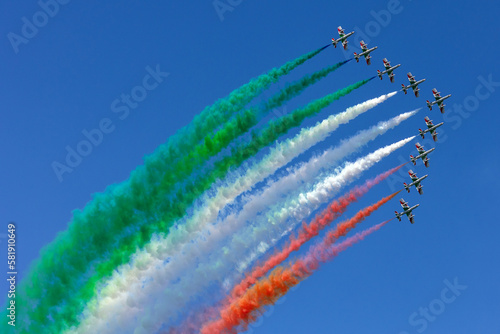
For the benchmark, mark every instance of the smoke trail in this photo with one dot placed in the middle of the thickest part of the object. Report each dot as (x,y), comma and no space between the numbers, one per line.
(211,145)
(158,250)
(119,202)
(270,228)
(222,261)
(267,291)
(294,90)
(174,209)
(280,155)
(307,232)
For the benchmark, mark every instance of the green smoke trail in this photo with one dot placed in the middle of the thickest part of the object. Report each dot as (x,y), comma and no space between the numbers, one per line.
(173,210)
(240,125)
(121,202)
(295,89)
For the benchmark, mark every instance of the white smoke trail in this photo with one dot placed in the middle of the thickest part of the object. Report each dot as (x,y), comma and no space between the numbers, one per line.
(115,298)
(221,261)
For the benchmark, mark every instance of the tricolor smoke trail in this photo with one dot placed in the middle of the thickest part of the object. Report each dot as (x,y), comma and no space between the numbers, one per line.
(51,281)
(267,291)
(334,210)
(232,129)
(280,155)
(155,253)
(175,209)
(307,232)
(216,261)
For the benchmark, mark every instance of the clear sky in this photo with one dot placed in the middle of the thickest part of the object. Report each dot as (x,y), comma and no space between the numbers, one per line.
(64,78)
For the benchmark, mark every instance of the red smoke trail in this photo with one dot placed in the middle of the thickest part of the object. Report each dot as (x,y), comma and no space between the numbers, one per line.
(307,232)
(267,291)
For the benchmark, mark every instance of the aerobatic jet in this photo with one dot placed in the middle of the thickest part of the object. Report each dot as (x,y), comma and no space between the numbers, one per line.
(406,211)
(422,154)
(366,52)
(342,38)
(439,100)
(413,84)
(388,69)
(430,128)
(416,182)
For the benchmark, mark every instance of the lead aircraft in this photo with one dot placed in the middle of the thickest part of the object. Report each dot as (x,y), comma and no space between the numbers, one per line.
(342,38)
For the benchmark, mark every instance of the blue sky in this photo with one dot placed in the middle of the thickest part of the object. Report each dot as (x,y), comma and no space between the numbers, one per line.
(65,78)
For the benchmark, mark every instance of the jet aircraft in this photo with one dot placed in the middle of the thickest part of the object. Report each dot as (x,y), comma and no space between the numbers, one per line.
(388,69)
(422,154)
(366,52)
(416,182)
(439,100)
(406,211)
(430,128)
(413,84)
(342,39)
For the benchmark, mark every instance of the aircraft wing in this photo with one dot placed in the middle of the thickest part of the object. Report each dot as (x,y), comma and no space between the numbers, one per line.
(391,76)
(434,135)
(416,90)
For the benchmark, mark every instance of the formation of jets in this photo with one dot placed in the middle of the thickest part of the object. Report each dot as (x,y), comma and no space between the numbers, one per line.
(389,70)
(431,128)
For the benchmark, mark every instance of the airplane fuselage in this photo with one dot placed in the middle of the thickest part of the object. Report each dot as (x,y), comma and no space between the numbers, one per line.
(417,181)
(424,154)
(408,211)
(434,127)
(416,83)
(342,37)
(390,69)
(440,100)
(366,53)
